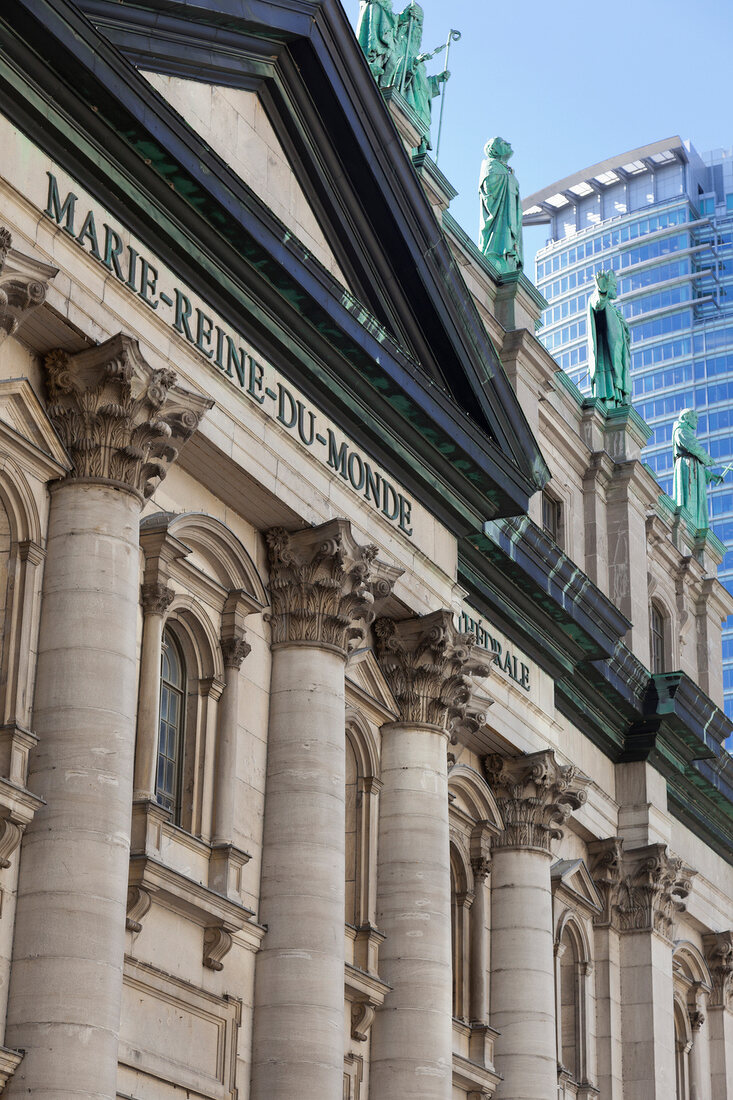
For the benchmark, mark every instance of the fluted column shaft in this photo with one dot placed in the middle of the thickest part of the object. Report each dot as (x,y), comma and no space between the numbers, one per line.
(318,585)
(121,423)
(535,796)
(424,661)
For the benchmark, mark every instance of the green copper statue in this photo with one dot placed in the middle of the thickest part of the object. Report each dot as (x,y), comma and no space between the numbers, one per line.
(608,344)
(501,209)
(692,473)
(391,43)
(376,31)
(412,80)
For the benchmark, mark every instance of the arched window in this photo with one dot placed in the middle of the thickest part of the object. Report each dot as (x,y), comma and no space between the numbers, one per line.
(656,638)
(171,727)
(569,1005)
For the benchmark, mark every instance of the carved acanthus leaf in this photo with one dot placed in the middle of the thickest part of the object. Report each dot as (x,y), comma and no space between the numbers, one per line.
(606,868)
(651,891)
(719,957)
(156,598)
(234,650)
(536,796)
(427,664)
(119,419)
(320,585)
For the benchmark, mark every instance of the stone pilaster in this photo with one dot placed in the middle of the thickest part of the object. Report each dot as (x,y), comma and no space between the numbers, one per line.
(719,957)
(156,598)
(321,601)
(427,666)
(23,285)
(606,867)
(536,796)
(123,424)
(645,890)
(234,649)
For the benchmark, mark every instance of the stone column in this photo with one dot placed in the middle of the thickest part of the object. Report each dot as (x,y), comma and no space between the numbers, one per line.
(234,650)
(719,957)
(479,941)
(699,1058)
(536,795)
(122,424)
(647,899)
(319,588)
(156,599)
(425,662)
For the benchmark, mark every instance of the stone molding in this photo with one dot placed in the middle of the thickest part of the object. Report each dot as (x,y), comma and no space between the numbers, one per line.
(644,889)
(23,285)
(536,796)
(120,420)
(719,957)
(427,664)
(156,598)
(234,650)
(320,586)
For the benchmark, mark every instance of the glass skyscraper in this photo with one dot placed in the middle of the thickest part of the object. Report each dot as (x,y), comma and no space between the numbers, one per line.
(662,218)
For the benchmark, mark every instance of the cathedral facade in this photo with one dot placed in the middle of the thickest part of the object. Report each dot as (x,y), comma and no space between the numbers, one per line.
(361,689)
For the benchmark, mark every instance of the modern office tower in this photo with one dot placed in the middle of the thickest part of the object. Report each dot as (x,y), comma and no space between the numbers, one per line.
(662,217)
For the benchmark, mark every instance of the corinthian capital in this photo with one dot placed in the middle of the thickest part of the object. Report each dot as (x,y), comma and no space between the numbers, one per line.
(120,420)
(536,796)
(320,585)
(719,957)
(652,890)
(427,663)
(23,285)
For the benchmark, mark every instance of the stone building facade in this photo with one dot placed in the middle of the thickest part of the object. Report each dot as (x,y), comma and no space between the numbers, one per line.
(331,760)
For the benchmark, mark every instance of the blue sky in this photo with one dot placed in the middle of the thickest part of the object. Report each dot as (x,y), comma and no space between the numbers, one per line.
(570,84)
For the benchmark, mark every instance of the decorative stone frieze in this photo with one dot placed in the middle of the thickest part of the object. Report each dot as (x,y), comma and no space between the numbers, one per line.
(643,889)
(156,598)
(120,420)
(320,585)
(427,664)
(536,796)
(719,957)
(23,285)
(234,650)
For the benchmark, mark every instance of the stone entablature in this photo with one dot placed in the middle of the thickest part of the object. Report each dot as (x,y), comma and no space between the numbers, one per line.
(536,796)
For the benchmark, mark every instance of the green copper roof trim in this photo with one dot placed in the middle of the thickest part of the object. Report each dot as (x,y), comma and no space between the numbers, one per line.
(454,229)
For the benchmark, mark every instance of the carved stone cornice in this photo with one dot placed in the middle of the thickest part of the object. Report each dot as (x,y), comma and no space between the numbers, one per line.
(23,285)
(156,598)
(651,891)
(320,586)
(234,650)
(536,796)
(719,957)
(606,868)
(427,664)
(120,420)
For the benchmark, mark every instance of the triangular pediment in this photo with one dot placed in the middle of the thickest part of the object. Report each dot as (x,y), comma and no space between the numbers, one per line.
(276,99)
(234,122)
(22,412)
(572,878)
(366,686)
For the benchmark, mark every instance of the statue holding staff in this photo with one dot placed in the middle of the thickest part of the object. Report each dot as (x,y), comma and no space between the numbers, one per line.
(609,353)
(412,80)
(501,208)
(692,470)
